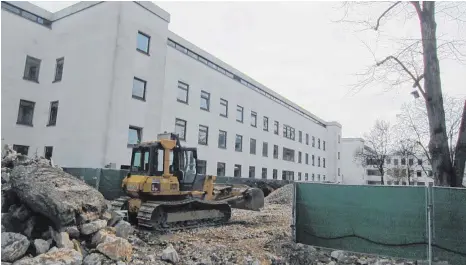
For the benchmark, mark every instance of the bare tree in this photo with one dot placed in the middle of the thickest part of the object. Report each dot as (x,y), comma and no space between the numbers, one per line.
(414,126)
(378,146)
(418,60)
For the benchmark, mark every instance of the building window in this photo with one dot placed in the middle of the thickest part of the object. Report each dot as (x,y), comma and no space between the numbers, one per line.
(223,107)
(306,177)
(239,113)
(203,135)
(252,146)
(253,119)
(323,162)
(25,112)
(318,161)
(323,147)
(411,161)
(21,149)
(313,160)
(307,159)
(318,177)
(59,69)
(419,162)
(201,167)
(180,129)
(288,132)
(430,173)
(274,174)
(313,141)
(222,139)
(239,143)
(388,161)
(134,135)
(288,154)
(275,151)
(266,124)
(339,158)
(287,175)
(265,149)
(48,151)
(313,177)
(318,143)
(275,127)
(237,171)
(338,171)
(299,176)
(299,157)
(143,42)
(264,173)
(205,100)
(53,113)
(307,139)
(139,88)
(418,173)
(31,69)
(252,172)
(403,161)
(183,91)
(395,162)
(300,136)
(220,169)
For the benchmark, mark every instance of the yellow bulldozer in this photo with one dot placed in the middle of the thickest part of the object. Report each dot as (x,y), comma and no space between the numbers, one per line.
(165,191)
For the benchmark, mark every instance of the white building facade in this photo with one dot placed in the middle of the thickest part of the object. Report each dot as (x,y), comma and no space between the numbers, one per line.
(397,168)
(85,83)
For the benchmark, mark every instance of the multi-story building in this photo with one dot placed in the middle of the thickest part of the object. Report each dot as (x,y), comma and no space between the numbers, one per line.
(399,169)
(86,83)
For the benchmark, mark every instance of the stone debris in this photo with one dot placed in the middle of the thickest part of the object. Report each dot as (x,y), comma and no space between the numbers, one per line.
(41,246)
(118,249)
(123,229)
(92,227)
(170,254)
(283,195)
(14,246)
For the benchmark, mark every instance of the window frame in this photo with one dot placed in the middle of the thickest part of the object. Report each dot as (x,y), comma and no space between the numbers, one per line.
(45,151)
(186,89)
(203,128)
(26,73)
(253,175)
(238,107)
(275,154)
(274,173)
(20,122)
(300,136)
(205,96)
(265,123)
(222,101)
(16,146)
(265,149)
(49,123)
(254,119)
(239,167)
(184,131)
(276,127)
(252,148)
(139,134)
(264,176)
(57,77)
(307,139)
(240,149)
(225,144)
(224,169)
(148,43)
(144,82)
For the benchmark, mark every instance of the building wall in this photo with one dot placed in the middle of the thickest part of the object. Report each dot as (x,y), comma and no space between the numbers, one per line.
(98,41)
(353,172)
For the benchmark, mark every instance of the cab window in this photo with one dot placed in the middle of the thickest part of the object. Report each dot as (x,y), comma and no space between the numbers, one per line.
(140,161)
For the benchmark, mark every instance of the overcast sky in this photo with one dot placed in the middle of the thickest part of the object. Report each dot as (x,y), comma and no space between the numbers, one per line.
(298,50)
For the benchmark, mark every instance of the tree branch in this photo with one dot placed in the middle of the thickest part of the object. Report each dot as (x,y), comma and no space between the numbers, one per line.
(418,8)
(416,80)
(384,14)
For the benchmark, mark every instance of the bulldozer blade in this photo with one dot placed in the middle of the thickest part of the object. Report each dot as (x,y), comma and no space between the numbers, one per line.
(250,199)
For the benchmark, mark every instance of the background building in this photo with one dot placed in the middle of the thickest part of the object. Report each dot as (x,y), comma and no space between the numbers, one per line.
(397,167)
(85,83)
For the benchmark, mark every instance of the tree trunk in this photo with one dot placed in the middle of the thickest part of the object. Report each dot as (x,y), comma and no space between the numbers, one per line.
(460,151)
(438,145)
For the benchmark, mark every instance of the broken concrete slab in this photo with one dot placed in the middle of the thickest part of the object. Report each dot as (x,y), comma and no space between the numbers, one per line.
(14,246)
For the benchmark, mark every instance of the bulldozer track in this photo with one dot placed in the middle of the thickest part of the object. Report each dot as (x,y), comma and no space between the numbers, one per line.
(161,210)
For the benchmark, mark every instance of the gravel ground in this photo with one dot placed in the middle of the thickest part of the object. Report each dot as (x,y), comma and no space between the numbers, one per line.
(283,195)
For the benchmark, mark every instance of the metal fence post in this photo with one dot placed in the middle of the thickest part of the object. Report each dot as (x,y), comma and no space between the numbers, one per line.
(293,213)
(429,222)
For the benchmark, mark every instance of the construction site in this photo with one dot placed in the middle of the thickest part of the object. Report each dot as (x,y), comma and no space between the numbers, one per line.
(51,217)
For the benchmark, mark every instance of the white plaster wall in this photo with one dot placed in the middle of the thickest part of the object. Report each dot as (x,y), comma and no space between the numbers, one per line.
(353,173)
(201,77)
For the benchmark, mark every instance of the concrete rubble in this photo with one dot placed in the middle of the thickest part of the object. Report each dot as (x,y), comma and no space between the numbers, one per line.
(84,232)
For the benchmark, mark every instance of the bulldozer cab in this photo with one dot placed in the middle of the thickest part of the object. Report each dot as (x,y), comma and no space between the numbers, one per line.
(165,157)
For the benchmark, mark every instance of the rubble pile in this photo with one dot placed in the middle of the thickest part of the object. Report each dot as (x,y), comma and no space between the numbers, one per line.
(50,217)
(283,195)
